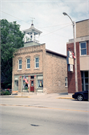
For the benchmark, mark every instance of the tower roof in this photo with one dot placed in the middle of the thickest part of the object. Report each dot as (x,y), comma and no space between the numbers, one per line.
(31,30)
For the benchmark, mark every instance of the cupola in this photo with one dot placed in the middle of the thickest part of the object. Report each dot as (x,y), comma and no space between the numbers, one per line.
(32,34)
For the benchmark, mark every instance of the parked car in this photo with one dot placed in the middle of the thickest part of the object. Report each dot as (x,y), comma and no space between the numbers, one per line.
(80,96)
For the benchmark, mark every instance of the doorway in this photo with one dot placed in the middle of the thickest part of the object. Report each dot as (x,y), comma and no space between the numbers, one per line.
(32,85)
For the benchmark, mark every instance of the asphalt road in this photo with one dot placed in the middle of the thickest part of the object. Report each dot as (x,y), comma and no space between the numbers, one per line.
(43,116)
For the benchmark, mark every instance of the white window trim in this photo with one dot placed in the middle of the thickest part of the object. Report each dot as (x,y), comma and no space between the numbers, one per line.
(19,64)
(80,49)
(26,63)
(35,63)
(66,82)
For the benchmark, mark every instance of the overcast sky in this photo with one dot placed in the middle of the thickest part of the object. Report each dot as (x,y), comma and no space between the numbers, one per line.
(56,28)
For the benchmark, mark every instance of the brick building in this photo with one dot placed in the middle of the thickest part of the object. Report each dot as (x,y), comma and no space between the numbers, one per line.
(36,69)
(82,57)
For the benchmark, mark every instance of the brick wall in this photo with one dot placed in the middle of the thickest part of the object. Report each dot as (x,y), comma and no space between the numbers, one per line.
(24,53)
(82,28)
(53,68)
(71,75)
(30,52)
(56,71)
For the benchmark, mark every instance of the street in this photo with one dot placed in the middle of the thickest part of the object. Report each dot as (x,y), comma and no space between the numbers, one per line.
(46,116)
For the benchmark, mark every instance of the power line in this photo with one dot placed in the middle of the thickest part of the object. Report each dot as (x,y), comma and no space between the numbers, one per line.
(31,18)
(55,30)
(40,27)
(13,16)
(54,25)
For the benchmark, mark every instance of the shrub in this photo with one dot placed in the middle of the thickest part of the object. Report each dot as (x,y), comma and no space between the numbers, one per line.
(3,92)
(7,92)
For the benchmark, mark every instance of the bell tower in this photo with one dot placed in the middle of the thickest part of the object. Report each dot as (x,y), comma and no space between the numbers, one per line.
(32,35)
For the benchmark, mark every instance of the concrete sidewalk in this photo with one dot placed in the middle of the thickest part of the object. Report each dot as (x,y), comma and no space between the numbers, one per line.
(43,95)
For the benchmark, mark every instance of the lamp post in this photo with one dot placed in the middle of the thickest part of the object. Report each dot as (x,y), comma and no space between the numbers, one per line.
(73,23)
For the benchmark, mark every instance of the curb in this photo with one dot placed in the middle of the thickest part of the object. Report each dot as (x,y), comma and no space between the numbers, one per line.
(22,97)
(64,98)
(30,97)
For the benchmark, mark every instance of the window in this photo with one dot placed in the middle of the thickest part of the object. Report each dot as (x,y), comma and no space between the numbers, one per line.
(36,62)
(16,85)
(85,80)
(32,77)
(25,83)
(66,82)
(20,64)
(83,48)
(28,63)
(32,83)
(16,82)
(40,83)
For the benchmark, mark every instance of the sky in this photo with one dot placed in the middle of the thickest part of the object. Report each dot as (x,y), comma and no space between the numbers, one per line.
(47,17)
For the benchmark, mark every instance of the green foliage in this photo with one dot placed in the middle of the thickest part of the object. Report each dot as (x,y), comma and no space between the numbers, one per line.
(3,92)
(26,88)
(11,40)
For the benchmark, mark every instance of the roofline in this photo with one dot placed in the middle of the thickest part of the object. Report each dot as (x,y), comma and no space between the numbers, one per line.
(82,20)
(54,53)
(31,29)
(30,42)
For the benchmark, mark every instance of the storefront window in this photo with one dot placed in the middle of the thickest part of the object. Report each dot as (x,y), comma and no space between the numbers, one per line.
(16,84)
(40,83)
(85,80)
(25,83)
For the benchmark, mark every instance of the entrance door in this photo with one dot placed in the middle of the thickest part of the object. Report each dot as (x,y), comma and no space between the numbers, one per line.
(32,85)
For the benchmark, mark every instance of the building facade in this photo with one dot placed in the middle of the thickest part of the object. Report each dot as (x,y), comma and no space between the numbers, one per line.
(36,69)
(82,58)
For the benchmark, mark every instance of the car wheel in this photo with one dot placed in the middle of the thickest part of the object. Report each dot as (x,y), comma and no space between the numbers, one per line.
(80,98)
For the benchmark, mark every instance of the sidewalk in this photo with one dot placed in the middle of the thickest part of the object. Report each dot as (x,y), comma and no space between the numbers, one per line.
(43,95)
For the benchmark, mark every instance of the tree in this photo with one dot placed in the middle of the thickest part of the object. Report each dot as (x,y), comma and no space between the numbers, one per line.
(11,40)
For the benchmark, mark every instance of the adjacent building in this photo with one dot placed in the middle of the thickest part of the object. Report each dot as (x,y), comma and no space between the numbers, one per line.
(82,58)
(36,69)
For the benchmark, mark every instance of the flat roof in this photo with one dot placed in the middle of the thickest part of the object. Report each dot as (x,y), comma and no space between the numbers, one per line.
(82,20)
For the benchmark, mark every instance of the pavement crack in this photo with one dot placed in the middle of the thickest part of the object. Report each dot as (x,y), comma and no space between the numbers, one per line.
(34,125)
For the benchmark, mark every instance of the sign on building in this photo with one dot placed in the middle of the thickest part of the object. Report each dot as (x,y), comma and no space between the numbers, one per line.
(69,54)
(70,67)
(70,61)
